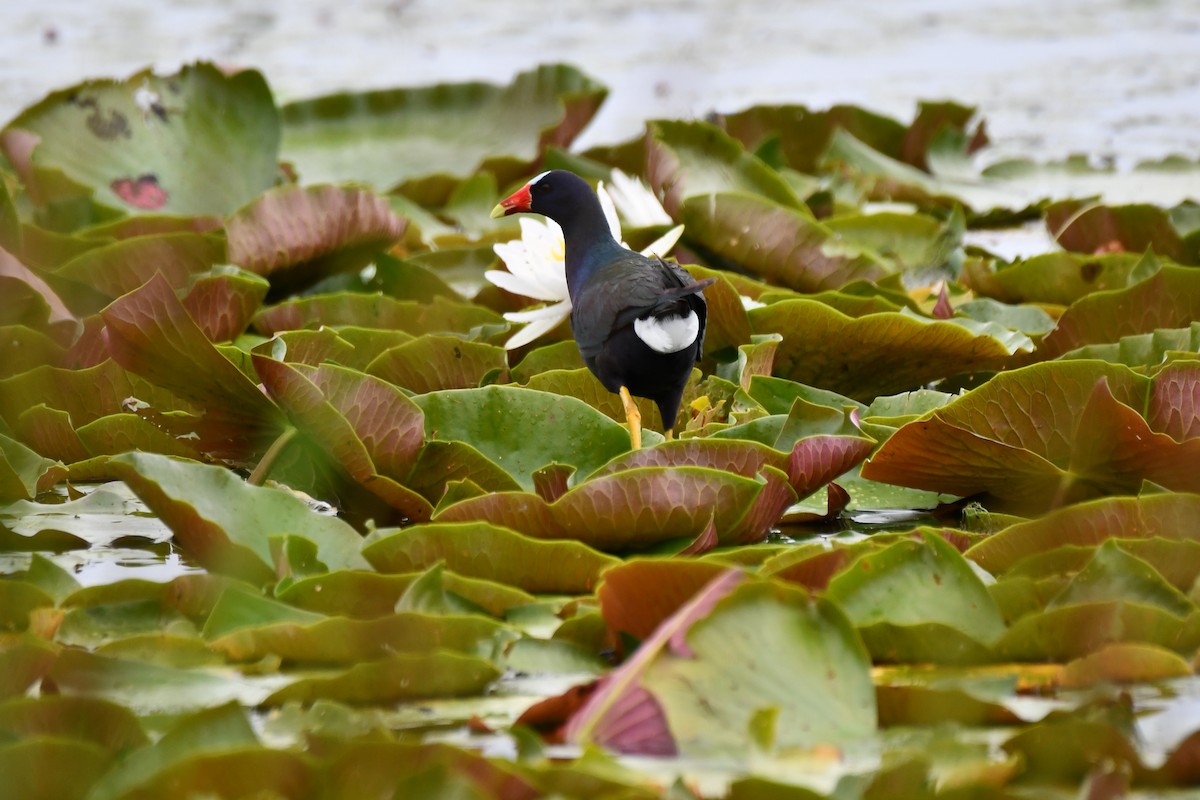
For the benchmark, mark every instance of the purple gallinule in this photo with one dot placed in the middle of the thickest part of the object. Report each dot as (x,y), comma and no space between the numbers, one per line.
(638,321)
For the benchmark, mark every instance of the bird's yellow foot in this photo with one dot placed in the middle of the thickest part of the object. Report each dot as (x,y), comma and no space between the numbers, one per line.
(633,417)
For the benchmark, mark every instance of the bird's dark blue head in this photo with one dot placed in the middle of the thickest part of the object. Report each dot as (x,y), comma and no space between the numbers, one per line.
(567,199)
(562,196)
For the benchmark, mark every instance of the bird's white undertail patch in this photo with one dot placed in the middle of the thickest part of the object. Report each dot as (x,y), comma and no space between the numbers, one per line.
(669,334)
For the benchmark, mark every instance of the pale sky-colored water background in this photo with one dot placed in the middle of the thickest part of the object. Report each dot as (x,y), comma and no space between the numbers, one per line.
(1114,79)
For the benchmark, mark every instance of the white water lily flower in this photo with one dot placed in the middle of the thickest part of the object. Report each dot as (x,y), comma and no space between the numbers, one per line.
(537,265)
(637,204)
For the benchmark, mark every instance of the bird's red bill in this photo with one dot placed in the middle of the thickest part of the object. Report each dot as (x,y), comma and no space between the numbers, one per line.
(517,201)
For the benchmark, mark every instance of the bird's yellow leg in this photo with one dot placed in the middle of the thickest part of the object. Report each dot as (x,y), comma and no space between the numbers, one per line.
(670,434)
(634,417)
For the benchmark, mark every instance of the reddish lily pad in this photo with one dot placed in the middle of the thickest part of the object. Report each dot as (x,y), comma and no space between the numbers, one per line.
(813,462)
(1084,227)
(803,133)
(121,267)
(778,244)
(430,363)
(370,429)
(486,550)
(151,334)
(1040,437)
(1170,298)
(289,227)
(376,311)
(638,508)
(823,347)
(223,301)
(33,768)
(639,594)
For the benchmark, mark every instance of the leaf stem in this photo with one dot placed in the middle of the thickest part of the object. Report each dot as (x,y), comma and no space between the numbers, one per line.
(270,457)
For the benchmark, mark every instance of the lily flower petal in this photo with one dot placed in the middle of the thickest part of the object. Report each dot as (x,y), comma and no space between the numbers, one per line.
(541,321)
(637,204)
(663,244)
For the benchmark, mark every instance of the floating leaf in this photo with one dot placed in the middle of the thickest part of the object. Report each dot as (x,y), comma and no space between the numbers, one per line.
(395,678)
(431,363)
(823,347)
(523,430)
(226,524)
(686,159)
(1124,663)
(1085,227)
(370,429)
(376,311)
(290,227)
(637,508)
(122,140)
(910,586)
(710,649)
(23,473)
(776,243)
(451,131)
(1082,439)
(490,551)
(150,333)
(1170,298)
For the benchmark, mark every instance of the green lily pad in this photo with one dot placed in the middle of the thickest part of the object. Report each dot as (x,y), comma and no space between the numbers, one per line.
(1113,574)
(1124,663)
(400,136)
(404,676)
(33,768)
(652,703)
(123,139)
(368,595)
(1057,278)
(339,640)
(913,584)
(226,524)
(687,159)
(23,473)
(524,430)
(486,550)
